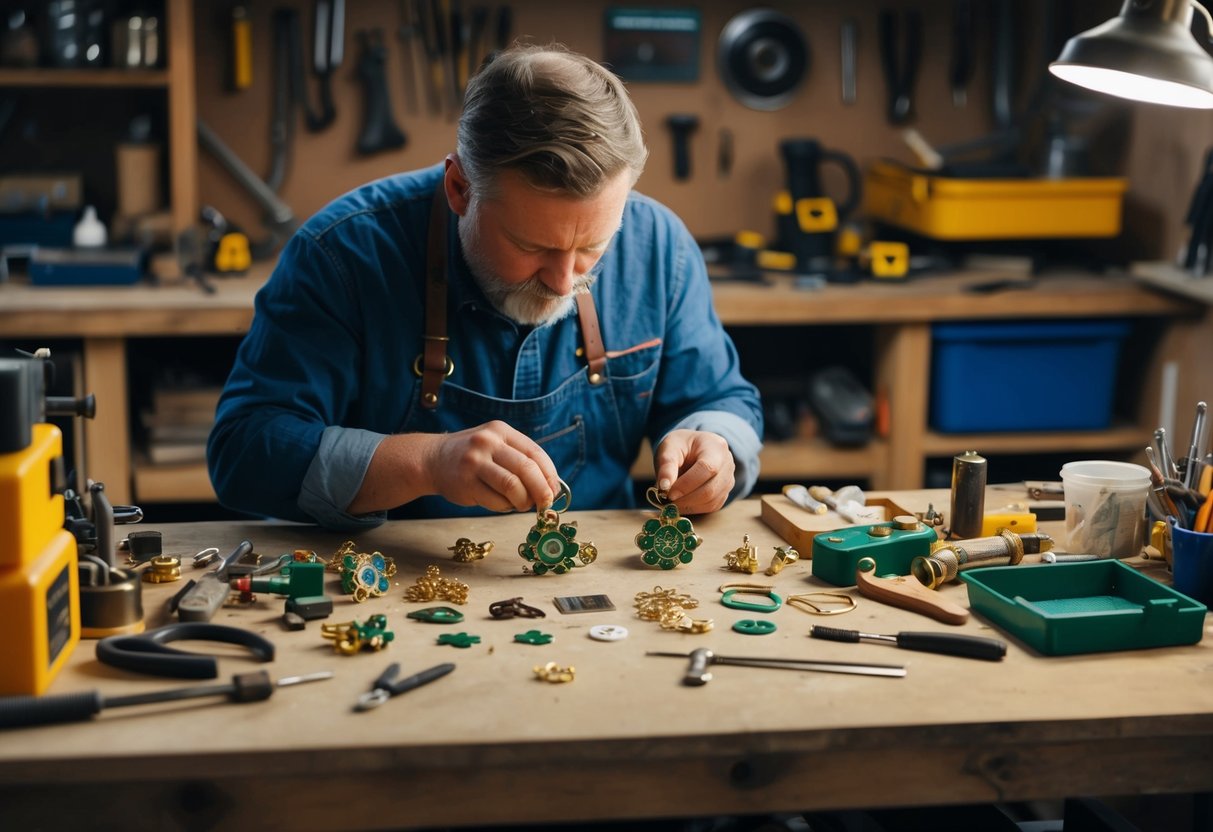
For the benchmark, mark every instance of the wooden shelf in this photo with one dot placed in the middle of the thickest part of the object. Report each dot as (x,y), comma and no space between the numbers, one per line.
(796,458)
(793,459)
(1174,279)
(1118,438)
(76,78)
(184,483)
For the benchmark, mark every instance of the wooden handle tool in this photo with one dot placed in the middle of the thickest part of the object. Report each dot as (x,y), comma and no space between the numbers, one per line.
(906,592)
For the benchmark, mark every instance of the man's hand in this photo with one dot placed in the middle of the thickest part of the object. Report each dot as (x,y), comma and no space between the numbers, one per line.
(491,465)
(495,466)
(695,470)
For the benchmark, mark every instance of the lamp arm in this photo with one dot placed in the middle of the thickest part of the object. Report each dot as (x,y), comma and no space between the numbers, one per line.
(1208,17)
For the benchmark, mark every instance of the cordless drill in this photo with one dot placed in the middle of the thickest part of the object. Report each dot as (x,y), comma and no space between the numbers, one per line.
(39,585)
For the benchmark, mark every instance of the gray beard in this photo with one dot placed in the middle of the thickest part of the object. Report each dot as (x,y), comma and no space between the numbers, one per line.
(529,303)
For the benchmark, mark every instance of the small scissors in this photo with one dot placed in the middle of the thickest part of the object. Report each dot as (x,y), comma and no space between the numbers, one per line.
(384,688)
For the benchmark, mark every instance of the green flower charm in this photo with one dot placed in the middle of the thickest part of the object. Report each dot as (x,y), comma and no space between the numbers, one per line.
(551,545)
(668,539)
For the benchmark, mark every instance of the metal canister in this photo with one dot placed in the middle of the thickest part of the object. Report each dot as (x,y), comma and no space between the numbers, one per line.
(968,495)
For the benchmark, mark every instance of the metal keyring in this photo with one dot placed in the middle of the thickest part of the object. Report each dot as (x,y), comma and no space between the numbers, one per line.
(566,493)
(450,366)
(656,497)
(814,602)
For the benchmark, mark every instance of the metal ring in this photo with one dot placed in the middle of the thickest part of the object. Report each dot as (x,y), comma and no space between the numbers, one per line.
(565,492)
(450,366)
(656,497)
(803,602)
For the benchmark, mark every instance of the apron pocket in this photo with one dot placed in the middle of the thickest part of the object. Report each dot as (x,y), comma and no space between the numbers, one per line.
(566,447)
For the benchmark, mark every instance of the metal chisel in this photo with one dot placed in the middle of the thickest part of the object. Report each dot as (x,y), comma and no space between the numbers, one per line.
(701,658)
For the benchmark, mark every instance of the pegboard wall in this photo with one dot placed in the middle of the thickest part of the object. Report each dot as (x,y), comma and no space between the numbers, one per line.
(712,202)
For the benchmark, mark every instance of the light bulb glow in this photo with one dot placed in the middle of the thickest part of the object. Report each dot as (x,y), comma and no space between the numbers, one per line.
(1134,87)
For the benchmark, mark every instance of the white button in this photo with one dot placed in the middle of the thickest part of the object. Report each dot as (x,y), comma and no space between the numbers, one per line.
(608,632)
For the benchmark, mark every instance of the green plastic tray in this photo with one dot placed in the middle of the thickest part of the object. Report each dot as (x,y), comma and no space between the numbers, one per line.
(1086,607)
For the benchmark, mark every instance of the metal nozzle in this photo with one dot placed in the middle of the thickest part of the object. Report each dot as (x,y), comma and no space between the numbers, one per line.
(948,558)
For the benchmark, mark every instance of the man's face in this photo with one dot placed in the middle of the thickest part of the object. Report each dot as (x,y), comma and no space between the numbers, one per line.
(532,252)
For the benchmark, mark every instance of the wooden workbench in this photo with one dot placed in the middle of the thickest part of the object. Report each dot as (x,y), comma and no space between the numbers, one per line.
(492,744)
(111,321)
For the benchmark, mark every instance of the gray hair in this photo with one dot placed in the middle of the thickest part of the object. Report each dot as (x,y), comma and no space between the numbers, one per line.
(562,121)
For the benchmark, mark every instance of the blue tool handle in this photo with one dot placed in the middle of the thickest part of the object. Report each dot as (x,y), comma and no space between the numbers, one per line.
(20,711)
(972,647)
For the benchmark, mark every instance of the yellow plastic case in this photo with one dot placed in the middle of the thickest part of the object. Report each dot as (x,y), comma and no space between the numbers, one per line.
(949,208)
(39,585)
(30,510)
(40,617)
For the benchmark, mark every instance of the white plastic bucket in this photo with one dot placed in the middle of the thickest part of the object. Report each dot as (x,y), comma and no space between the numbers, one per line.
(1105,507)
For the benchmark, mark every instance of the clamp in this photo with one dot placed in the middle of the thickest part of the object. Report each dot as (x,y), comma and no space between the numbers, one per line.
(149,652)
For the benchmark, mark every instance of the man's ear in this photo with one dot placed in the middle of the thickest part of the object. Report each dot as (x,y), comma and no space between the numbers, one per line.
(458,189)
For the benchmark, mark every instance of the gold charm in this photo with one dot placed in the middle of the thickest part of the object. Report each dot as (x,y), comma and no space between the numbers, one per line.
(668,607)
(783,556)
(554,673)
(433,587)
(349,637)
(668,539)
(162,569)
(363,574)
(744,558)
(466,551)
(550,545)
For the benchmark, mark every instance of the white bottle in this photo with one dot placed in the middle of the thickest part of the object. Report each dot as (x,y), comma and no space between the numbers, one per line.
(90,231)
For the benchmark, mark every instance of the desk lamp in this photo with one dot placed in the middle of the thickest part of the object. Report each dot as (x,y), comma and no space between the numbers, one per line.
(1148,54)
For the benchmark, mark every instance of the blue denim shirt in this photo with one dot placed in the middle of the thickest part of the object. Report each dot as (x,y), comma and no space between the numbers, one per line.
(325,372)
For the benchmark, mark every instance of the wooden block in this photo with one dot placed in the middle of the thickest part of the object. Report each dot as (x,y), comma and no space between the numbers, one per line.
(799,526)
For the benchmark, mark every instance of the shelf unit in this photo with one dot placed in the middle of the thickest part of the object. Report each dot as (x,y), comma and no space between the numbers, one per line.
(107,437)
(176,79)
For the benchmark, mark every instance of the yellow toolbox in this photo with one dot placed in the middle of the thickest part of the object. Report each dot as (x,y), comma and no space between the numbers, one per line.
(950,208)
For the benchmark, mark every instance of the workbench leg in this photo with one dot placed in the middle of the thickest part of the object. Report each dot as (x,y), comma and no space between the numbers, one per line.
(107,451)
(903,375)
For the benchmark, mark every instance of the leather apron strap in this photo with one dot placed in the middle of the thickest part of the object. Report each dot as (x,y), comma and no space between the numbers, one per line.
(595,353)
(434,365)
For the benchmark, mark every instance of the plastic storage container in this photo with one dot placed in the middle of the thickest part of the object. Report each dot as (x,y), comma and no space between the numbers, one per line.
(1105,507)
(953,208)
(1086,607)
(1024,375)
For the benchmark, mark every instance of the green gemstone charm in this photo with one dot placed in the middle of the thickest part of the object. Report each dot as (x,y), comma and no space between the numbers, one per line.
(668,539)
(550,545)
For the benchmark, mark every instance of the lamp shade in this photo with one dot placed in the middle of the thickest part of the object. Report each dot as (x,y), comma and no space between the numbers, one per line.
(1148,54)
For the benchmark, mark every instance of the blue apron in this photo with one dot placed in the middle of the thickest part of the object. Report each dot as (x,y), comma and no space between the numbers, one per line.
(579,424)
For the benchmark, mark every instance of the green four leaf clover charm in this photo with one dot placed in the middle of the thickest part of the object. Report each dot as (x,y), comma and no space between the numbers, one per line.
(668,539)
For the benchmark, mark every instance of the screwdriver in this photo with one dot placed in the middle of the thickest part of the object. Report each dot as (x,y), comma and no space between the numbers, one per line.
(20,711)
(972,647)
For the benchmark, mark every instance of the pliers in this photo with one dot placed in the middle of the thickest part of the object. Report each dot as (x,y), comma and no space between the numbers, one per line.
(384,688)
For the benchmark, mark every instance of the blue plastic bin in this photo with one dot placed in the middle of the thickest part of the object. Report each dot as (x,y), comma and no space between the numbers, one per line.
(1024,375)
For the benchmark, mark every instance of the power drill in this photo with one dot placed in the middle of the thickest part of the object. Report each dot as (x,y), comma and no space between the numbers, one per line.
(39,584)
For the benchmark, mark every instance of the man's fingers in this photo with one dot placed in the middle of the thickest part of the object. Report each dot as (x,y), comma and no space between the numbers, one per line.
(669,459)
(519,478)
(691,480)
